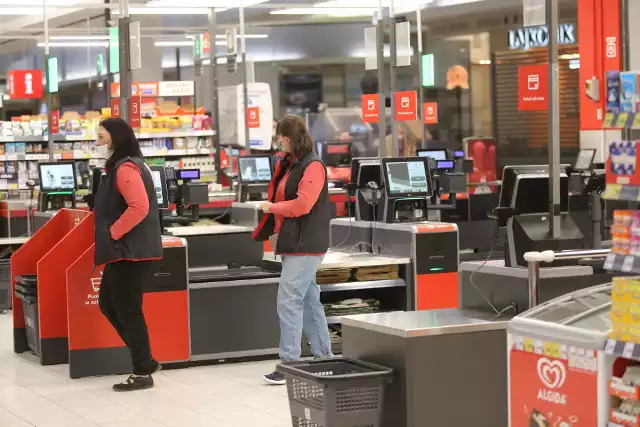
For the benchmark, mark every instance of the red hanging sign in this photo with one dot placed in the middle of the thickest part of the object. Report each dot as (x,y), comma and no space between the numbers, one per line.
(206,44)
(253,117)
(533,87)
(134,112)
(25,84)
(371,108)
(430,111)
(549,391)
(406,106)
(115,107)
(54,126)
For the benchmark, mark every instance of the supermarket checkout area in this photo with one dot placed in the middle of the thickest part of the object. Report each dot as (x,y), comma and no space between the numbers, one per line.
(470,339)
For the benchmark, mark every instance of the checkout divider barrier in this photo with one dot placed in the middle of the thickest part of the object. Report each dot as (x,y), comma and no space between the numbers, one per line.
(47,254)
(94,346)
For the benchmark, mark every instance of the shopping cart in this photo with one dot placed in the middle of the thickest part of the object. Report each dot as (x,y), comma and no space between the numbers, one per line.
(335,392)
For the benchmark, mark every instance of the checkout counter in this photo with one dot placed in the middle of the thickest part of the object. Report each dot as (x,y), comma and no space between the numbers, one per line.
(453,358)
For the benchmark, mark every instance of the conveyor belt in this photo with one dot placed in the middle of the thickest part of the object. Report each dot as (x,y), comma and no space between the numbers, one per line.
(220,275)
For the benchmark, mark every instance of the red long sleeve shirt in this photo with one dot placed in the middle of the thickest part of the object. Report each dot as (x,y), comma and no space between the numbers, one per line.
(130,185)
(309,190)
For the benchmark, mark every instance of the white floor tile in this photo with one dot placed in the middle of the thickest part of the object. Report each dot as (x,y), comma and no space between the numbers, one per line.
(225,395)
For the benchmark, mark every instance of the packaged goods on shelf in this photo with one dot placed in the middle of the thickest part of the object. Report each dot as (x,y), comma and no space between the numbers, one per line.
(352,306)
(628,92)
(622,157)
(613,92)
(625,309)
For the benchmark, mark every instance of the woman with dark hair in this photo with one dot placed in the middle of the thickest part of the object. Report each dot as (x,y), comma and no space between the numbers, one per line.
(128,238)
(296,220)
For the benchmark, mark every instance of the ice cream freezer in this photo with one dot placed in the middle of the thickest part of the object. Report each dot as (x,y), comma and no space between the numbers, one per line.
(558,368)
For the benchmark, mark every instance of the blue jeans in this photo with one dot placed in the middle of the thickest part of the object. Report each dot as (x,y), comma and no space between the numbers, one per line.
(299,307)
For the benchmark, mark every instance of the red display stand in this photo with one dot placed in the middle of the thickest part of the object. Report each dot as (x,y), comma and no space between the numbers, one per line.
(48,254)
(94,346)
(482,151)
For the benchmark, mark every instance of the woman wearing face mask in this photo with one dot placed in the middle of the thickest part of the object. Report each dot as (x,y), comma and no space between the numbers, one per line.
(128,238)
(297,219)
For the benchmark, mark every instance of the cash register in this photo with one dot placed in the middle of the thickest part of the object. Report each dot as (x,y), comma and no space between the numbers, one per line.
(407,186)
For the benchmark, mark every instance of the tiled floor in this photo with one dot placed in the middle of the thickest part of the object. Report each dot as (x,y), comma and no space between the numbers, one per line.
(214,396)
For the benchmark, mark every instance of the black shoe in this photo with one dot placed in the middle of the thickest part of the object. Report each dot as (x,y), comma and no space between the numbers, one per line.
(135,382)
(275,378)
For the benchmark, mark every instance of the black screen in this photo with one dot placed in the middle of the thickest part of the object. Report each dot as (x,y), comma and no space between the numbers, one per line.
(532,194)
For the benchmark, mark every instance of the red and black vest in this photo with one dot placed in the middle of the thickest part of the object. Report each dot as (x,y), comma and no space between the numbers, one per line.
(307,234)
(144,241)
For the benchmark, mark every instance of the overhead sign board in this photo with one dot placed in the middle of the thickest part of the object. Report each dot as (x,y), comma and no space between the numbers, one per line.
(25,84)
(532,37)
(533,87)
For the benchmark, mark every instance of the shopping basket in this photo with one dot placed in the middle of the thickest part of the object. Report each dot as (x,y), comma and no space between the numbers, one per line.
(335,392)
(5,285)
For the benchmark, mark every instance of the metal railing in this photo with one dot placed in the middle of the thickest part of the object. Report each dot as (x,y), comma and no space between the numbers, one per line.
(534,259)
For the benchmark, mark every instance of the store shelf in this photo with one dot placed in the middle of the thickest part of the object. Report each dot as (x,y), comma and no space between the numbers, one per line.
(144,135)
(360,286)
(627,350)
(624,391)
(334,320)
(621,121)
(177,153)
(629,193)
(621,419)
(623,263)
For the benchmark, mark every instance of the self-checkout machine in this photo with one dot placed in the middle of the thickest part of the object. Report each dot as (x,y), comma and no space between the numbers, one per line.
(58,186)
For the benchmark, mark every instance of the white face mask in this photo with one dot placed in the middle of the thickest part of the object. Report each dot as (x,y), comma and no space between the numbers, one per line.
(103,151)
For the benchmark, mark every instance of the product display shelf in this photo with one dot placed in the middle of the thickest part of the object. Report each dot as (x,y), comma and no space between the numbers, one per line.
(626,350)
(622,263)
(629,193)
(72,138)
(624,392)
(621,121)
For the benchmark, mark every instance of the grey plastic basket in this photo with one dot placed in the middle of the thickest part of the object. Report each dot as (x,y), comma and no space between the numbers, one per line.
(335,392)
(5,285)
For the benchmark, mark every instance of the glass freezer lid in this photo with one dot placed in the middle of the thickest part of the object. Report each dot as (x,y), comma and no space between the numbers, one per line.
(585,309)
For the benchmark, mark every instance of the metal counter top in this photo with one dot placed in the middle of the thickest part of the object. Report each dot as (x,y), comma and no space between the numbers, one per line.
(409,324)
(497,267)
(344,260)
(196,230)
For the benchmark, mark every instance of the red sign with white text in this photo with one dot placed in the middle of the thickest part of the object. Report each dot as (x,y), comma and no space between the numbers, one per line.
(533,87)
(25,84)
(253,117)
(548,391)
(371,108)
(406,105)
(54,126)
(430,113)
(115,107)
(134,112)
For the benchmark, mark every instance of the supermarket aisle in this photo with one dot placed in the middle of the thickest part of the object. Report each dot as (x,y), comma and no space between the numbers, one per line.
(212,396)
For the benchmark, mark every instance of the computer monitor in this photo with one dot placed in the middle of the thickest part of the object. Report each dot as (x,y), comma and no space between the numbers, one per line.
(458,154)
(57,176)
(407,176)
(445,165)
(434,154)
(188,174)
(584,162)
(160,184)
(336,153)
(525,189)
(254,169)
(365,170)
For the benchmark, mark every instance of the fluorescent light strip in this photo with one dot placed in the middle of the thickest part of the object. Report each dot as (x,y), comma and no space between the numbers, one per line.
(246,36)
(371,3)
(168,11)
(76,44)
(227,4)
(79,37)
(181,43)
(329,11)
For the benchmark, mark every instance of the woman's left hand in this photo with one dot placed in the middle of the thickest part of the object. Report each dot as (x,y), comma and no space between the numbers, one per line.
(266,207)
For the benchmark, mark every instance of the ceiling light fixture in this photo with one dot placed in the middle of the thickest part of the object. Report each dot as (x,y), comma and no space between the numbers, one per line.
(328,11)
(246,36)
(226,4)
(181,43)
(105,37)
(76,44)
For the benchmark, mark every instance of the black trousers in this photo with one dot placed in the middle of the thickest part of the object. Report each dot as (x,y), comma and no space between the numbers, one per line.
(120,301)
